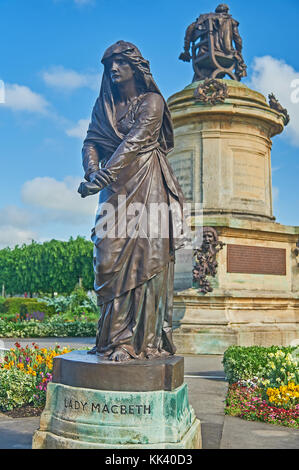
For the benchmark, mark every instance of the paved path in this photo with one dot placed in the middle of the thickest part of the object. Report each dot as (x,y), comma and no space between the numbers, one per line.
(207,390)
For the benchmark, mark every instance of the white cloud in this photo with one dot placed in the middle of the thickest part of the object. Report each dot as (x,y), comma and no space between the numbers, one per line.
(21,98)
(15,226)
(14,216)
(70,80)
(274,75)
(52,209)
(59,200)
(12,236)
(79,130)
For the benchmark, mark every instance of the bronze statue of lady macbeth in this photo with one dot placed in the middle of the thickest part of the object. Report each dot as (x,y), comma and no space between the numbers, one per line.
(129,137)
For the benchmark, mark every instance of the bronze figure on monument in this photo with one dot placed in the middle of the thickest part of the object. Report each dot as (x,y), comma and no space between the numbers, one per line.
(124,155)
(216,46)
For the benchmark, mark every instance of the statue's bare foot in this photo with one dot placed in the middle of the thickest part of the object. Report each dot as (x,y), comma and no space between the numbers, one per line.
(120,355)
(93,350)
(164,353)
(152,353)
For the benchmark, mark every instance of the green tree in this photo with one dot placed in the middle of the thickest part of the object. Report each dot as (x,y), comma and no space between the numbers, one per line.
(54,266)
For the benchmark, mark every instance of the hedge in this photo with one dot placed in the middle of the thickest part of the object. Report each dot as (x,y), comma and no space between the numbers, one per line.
(12,306)
(48,328)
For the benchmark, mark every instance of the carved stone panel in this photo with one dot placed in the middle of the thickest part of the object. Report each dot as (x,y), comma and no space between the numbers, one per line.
(182,165)
(256,260)
(249,175)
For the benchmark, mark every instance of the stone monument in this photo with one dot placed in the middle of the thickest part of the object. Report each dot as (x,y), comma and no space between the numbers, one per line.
(246,293)
(128,392)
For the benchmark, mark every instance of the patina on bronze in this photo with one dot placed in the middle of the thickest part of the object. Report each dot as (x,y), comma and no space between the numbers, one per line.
(216,46)
(130,135)
(205,259)
(76,370)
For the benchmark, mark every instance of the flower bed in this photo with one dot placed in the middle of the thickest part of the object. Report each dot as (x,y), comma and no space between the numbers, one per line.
(25,374)
(264,384)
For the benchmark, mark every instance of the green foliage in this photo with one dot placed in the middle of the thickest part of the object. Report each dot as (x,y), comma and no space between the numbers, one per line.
(282,368)
(54,327)
(75,304)
(53,266)
(16,389)
(14,305)
(245,363)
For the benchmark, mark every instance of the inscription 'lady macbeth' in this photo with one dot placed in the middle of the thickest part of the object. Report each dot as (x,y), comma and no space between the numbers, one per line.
(104,408)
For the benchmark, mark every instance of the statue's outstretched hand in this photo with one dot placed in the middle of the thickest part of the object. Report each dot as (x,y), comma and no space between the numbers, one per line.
(185,56)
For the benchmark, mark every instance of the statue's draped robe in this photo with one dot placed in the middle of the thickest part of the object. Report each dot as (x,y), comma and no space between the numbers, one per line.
(134,274)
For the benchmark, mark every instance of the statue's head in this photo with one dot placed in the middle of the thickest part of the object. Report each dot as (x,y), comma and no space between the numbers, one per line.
(123,61)
(209,237)
(222,8)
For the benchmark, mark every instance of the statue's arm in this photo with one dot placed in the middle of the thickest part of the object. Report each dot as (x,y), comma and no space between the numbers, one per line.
(236,37)
(185,56)
(149,118)
(90,158)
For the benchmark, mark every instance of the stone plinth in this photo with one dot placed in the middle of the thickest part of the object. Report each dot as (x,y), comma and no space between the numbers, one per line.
(96,417)
(246,308)
(222,153)
(222,158)
(79,369)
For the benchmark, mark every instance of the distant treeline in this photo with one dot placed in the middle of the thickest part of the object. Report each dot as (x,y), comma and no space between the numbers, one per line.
(53,266)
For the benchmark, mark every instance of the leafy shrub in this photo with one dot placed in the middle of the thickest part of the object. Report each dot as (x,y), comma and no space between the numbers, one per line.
(74,304)
(13,305)
(244,363)
(16,389)
(54,327)
(23,312)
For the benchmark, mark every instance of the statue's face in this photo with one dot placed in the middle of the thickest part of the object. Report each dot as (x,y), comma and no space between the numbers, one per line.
(120,70)
(208,238)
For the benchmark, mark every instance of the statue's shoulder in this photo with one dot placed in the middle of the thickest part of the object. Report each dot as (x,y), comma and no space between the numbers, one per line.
(152,100)
(235,22)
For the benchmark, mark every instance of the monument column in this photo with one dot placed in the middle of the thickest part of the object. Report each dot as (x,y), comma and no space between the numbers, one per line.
(240,285)
(222,154)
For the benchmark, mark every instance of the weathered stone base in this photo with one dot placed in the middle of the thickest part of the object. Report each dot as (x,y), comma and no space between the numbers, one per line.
(209,325)
(47,440)
(84,418)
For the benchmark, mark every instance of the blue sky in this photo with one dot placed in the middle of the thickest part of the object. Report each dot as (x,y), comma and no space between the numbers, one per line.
(50,63)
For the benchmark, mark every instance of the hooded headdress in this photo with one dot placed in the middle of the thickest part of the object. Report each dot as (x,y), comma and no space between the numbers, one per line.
(103,129)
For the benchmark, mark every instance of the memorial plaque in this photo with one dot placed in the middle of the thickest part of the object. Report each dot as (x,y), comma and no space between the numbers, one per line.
(182,165)
(243,259)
